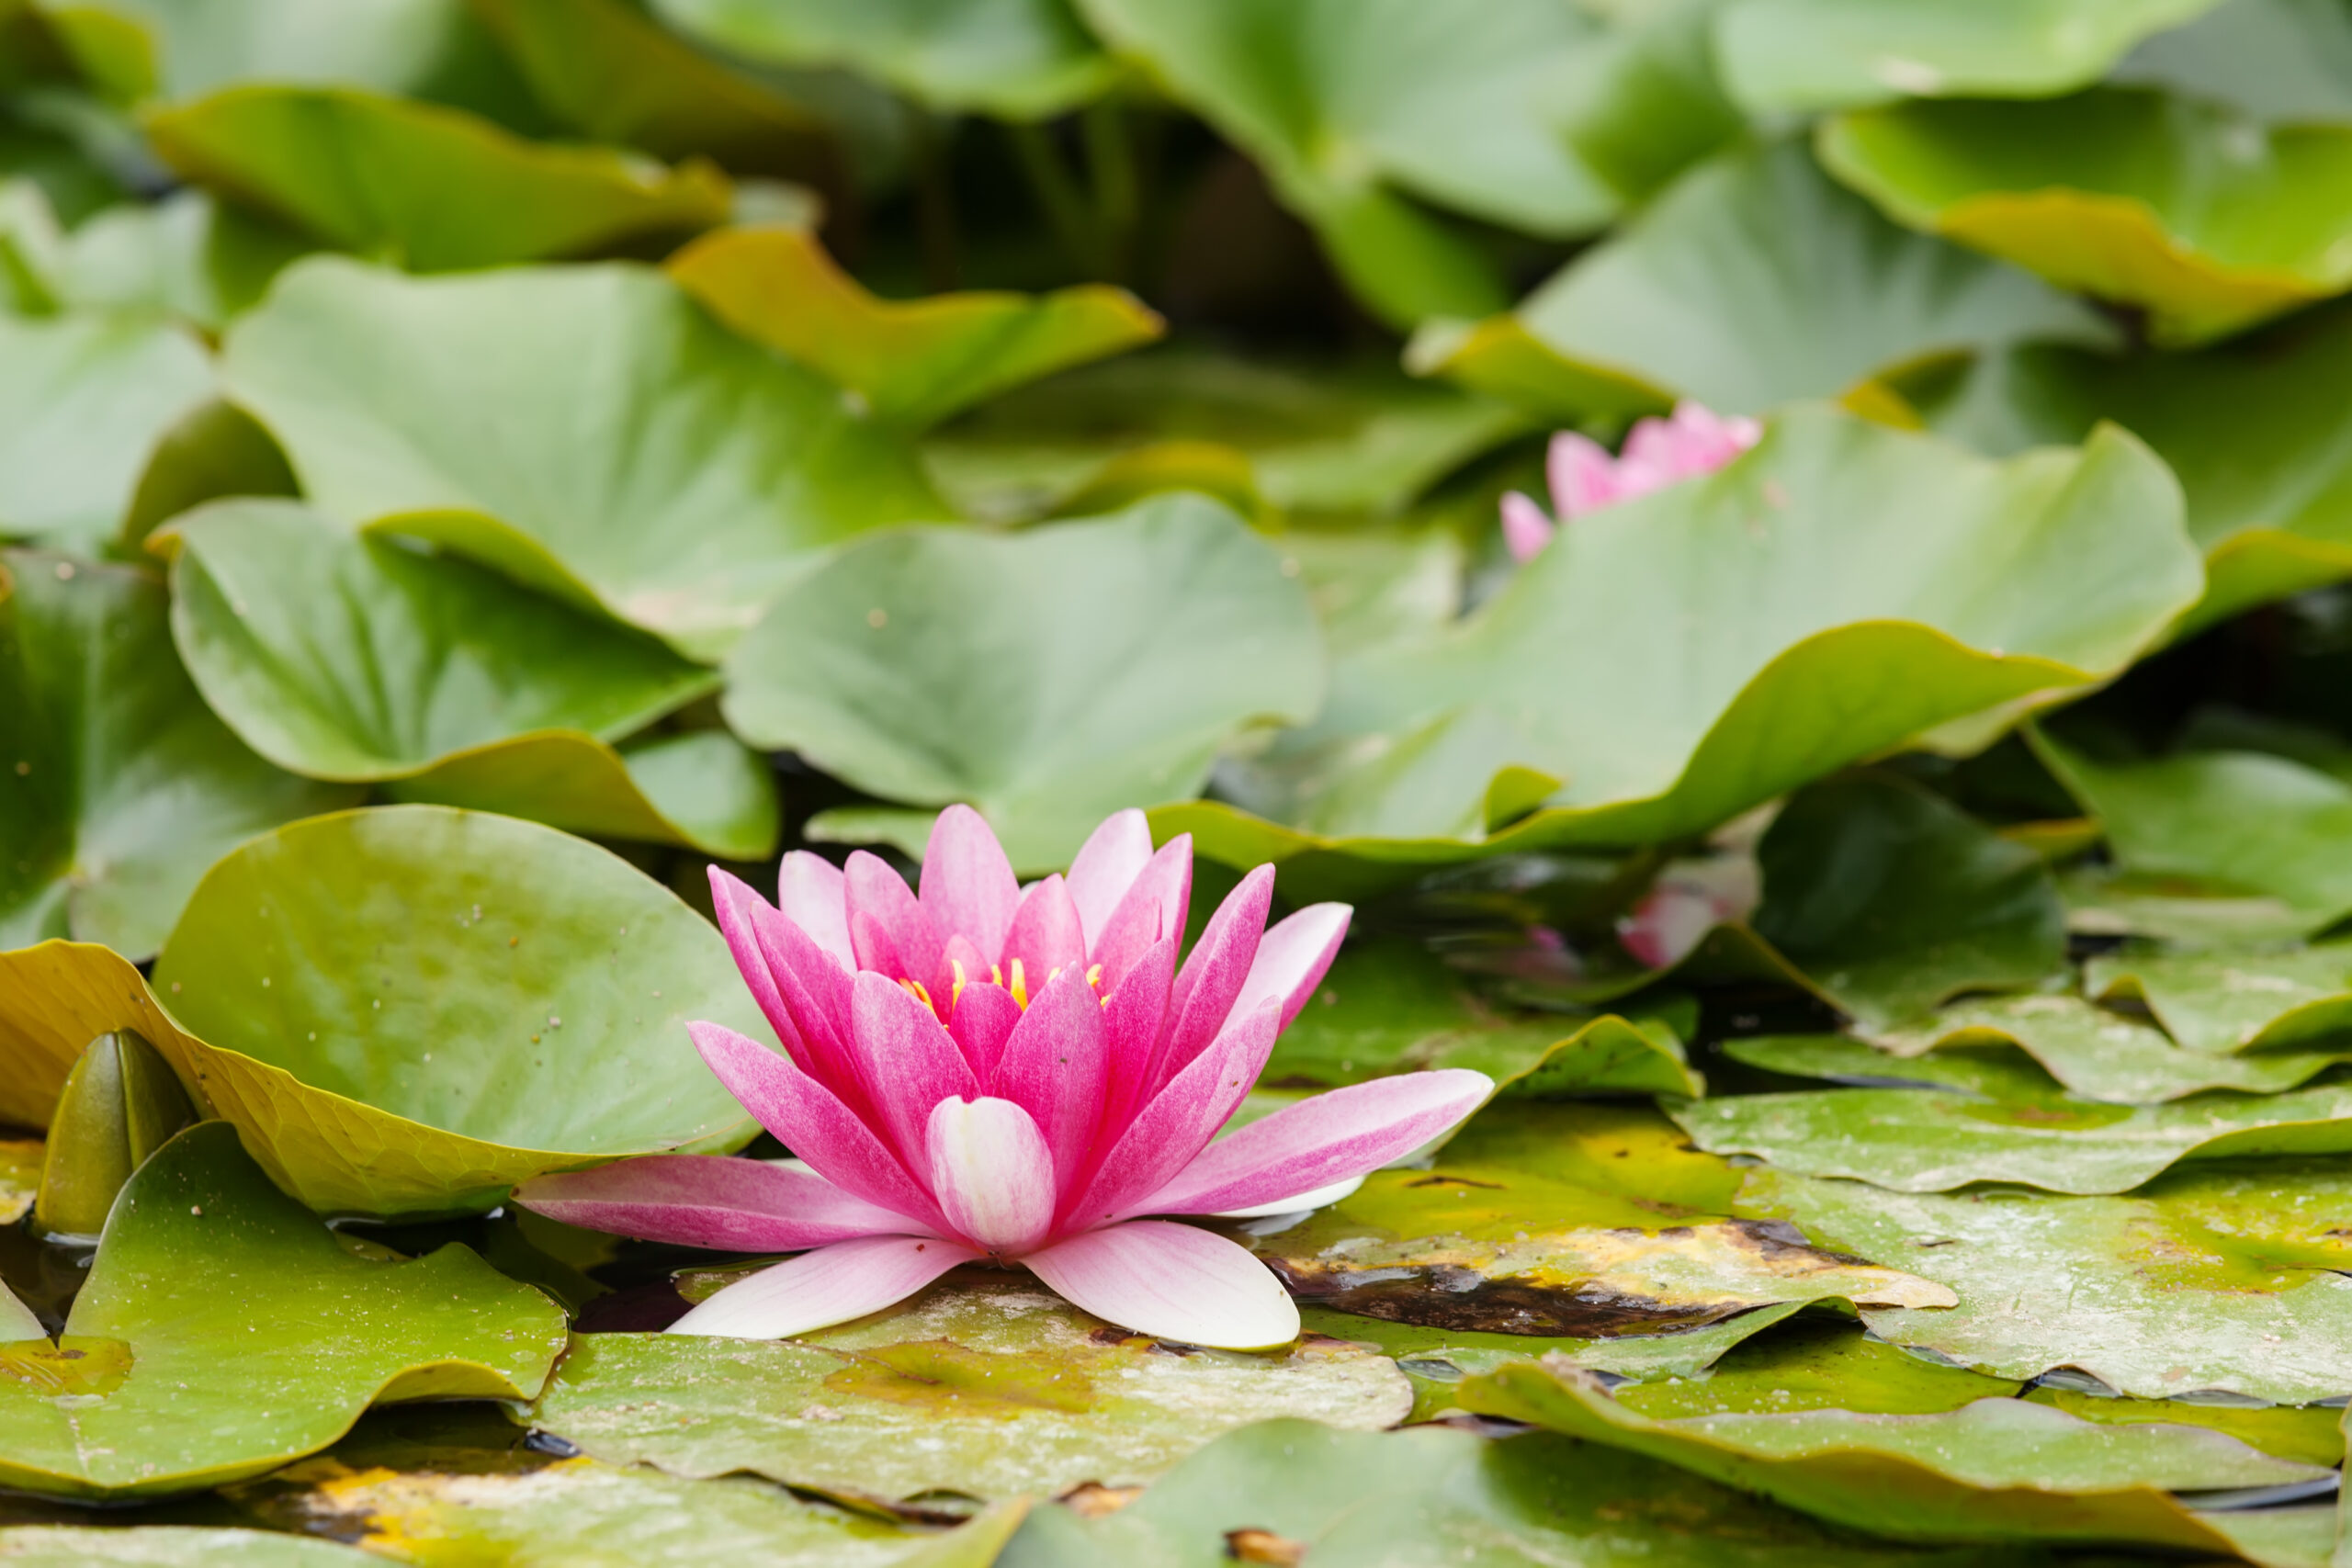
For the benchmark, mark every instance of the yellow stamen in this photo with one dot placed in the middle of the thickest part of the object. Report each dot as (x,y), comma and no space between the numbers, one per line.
(914,989)
(957,994)
(996,975)
(1020,987)
(1094,977)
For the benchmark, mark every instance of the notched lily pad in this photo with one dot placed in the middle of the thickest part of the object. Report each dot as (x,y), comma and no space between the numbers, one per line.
(982,1386)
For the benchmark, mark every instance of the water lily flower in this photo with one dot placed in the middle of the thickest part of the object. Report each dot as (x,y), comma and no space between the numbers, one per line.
(1690,899)
(1584,477)
(982,1072)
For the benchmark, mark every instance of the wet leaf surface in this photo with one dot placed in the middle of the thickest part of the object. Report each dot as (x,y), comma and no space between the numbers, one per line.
(20,1160)
(2225,1002)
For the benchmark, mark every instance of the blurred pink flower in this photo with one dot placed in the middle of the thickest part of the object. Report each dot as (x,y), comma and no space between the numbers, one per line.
(980,1071)
(1689,900)
(1584,477)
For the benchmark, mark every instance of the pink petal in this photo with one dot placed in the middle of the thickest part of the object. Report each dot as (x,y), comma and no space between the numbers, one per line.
(1526,531)
(1107,865)
(1295,1202)
(812,894)
(734,1206)
(983,1019)
(1214,973)
(1173,1282)
(1581,474)
(959,954)
(1327,1138)
(992,1174)
(1135,1017)
(1176,1124)
(1045,935)
(1055,1066)
(1154,907)
(1705,440)
(1689,899)
(736,904)
(968,889)
(889,929)
(1294,957)
(815,992)
(908,1059)
(817,1290)
(813,1122)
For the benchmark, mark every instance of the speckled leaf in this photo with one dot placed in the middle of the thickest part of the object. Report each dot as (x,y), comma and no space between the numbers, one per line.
(84,399)
(168,1546)
(449,410)
(1754,280)
(195,1354)
(2101,1054)
(2227,1001)
(1994,1470)
(117,786)
(2220,1277)
(983,1385)
(1815,1363)
(2309,1434)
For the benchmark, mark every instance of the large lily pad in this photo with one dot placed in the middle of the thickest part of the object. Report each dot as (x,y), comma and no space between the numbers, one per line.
(224,1331)
(1755,279)
(168,1546)
(340,655)
(1579,691)
(442,191)
(450,409)
(1049,677)
(1994,1470)
(2217,1277)
(2206,219)
(84,399)
(1349,107)
(187,255)
(2283,60)
(1817,1362)
(117,786)
(986,1386)
(1818,54)
(2227,1001)
(913,362)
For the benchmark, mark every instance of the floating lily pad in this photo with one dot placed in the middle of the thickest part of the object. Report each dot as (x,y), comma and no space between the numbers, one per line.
(1994,1470)
(168,1546)
(2229,1001)
(448,409)
(989,1387)
(196,1355)
(1049,677)
(443,191)
(913,362)
(344,657)
(96,718)
(1819,55)
(2216,1277)
(2207,218)
(1816,1364)
(186,255)
(84,399)
(2309,1434)
(1755,279)
(1577,691)
(2282,60)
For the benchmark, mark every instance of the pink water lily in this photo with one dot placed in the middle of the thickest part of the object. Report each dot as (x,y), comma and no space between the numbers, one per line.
(1584,477)
(983,1071)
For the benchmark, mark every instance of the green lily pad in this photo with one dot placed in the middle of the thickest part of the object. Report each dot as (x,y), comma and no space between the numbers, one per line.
(84,400)
(1994,1470)
(441,191)
(449,410)
(1816,1364)
(2282,60)
(1049,677)
(168,1546)
(2309,1434)
(1374,584)
(2224,1002)
(341,656)
(196,1355)
(1576,690)
(2208,220)
(982,1386)
(1893,900)
(913,362)
(1819,55)
(20,1163)
(2217,1277)
(1754,280)
(409,1010)
(186,255)
(1653,103)
(96,717)
(1351,111)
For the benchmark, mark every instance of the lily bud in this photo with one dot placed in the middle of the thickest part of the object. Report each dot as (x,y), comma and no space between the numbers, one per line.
(120,1104)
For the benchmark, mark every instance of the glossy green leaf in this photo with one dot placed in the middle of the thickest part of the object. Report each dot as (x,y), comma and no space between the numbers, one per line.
(985,1385)
(1351,108)
(1049,677)
(1818,54)
(441,190)
(84,399)
(341,656)
(120,1103)
(224,1331)
(2207,220)
(18,1322)
(2215,1277)
(1755,280)
(168,1546)
(117,786)
(449,410)
(914,362)
(1994,1470)
(1895,900)
(1577,690)
(408,1009)
(2312,1433)
(2224,1002)
(186,255)
(1815,1363)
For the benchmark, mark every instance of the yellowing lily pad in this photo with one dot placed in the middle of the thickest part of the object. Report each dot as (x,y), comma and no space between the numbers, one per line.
(983,1385)
(20,1160)
(224,1331)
